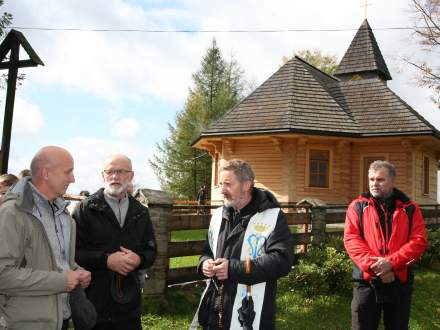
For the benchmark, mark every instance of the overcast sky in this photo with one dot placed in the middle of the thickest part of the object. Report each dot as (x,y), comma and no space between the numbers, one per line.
(106,92)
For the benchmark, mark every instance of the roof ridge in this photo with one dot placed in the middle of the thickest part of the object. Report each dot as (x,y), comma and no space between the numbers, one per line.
(316,68)
(325,86)
(363,55)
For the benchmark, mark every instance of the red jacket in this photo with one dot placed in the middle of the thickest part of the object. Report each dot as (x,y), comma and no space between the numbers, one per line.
(399,250)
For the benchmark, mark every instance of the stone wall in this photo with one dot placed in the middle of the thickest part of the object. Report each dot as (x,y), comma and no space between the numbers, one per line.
(160,207)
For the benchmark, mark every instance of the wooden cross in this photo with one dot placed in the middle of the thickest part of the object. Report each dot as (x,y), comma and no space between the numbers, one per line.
(11,44)
(365,5)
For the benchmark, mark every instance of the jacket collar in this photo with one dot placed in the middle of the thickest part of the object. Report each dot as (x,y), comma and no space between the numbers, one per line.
(261,201)
(97,201)
(23,195)
(398,196)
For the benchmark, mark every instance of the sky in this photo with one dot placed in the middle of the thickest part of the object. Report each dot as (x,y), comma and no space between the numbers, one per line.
(101,93)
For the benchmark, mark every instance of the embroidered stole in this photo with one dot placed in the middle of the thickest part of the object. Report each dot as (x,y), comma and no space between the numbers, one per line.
(260,226)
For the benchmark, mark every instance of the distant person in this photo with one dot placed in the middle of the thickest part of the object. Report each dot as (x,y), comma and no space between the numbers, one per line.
(201,195)
(250,224)
(24,173)
(115,239)
(37,247)
(84,193)
(6,181)
(384,234)
(74,203)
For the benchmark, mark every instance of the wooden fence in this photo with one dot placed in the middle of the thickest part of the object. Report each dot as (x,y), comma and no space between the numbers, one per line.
(313,224)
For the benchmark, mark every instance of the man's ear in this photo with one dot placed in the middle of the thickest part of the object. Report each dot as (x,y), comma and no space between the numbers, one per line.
(247,185)
(45,173)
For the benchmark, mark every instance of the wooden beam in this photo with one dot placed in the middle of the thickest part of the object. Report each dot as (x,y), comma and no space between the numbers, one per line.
(19,64)
(338,217)
(9,104)
(228,146)
(187,248)
(182,275)
(189,221)
(277,143)
(298,218)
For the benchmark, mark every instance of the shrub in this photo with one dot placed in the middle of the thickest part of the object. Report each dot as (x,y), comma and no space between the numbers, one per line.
(323,270)
(335,241)
(432,253)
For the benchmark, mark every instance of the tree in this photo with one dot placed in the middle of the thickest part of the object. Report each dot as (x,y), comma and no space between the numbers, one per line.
(5,21)
(427,32)
(218,86)
(324,62)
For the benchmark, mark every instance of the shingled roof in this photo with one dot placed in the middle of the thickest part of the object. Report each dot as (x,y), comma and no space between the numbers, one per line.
(300,98)
(363,55)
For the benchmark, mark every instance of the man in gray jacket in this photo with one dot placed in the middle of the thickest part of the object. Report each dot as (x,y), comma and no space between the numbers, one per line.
(37,247)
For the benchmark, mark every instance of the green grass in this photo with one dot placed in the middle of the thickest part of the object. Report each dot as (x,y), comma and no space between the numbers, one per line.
(175,311)
(184,261)
(425,310)
(294,310)
(188,235)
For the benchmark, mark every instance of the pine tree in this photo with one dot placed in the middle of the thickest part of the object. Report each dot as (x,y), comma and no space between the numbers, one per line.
(218,86)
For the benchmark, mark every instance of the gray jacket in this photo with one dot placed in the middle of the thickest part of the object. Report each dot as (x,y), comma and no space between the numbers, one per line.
(30,280)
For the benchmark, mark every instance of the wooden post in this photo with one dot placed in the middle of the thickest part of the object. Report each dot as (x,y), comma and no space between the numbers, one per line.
(160,207)
(318,224)
(318,209)
(11,44)
(9,105)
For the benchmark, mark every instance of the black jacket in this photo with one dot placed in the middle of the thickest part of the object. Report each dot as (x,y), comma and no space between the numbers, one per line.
(276,262)
(99,235)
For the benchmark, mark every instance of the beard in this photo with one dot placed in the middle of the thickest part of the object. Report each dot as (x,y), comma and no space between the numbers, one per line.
(233,202)
(115,189)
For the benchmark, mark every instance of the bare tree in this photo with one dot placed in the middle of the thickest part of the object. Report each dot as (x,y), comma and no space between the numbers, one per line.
(427,33)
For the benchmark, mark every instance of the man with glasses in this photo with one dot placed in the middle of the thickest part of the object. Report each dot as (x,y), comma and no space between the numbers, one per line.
(115,240)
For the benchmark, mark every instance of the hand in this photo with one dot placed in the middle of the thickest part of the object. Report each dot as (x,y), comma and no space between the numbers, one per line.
(135,259)
(387,277)
(72,279)
(124,261)
(221,268)
(121,263)
(84,278)
(381,266)
(207,268)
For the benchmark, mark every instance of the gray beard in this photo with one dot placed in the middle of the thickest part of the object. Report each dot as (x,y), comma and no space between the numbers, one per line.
(115,191)
(234,203)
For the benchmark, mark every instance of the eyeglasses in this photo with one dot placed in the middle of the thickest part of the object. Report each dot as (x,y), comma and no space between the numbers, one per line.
(117,172)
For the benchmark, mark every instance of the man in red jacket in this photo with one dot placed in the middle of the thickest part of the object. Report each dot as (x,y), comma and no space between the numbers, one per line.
(384,234)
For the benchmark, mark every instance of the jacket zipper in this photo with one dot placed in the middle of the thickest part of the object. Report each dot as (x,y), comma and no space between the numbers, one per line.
(54,263)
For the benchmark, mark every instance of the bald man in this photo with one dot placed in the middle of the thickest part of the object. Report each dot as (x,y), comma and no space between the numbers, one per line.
(115,241)
(37,247)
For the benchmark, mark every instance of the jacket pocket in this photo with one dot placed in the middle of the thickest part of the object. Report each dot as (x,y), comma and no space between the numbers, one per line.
(30,309)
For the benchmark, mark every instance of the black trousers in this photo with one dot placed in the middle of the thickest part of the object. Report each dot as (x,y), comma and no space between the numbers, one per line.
(367,307)
(65,325)
(132,324)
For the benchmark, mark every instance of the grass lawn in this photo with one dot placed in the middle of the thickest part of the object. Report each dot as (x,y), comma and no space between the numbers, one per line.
(294,311)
